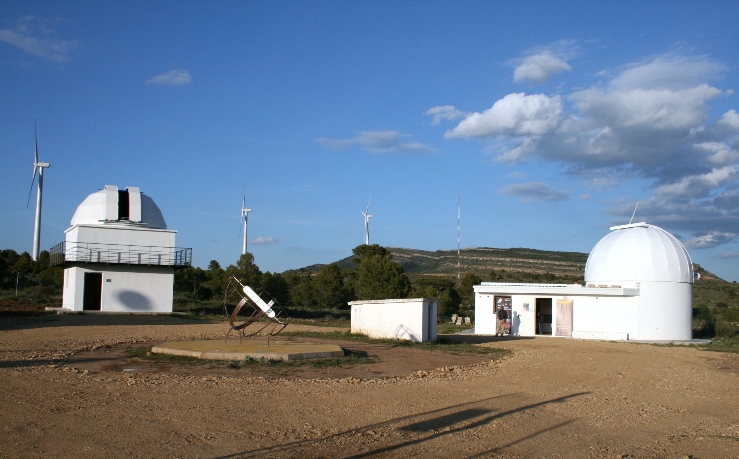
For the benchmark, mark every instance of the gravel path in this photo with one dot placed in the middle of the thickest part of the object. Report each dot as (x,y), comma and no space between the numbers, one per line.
(550,397)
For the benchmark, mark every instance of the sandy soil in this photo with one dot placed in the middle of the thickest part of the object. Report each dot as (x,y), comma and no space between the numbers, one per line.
(69,390)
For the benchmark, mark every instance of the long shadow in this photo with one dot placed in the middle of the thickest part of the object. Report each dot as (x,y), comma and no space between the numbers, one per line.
(96,319)
(480,339)
(455,415)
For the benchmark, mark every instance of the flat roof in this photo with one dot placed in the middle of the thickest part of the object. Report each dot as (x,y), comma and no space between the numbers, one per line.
(555,289)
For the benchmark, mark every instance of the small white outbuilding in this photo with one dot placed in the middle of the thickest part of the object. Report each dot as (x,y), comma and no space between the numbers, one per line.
(406,319)
(118,255)
(638,286)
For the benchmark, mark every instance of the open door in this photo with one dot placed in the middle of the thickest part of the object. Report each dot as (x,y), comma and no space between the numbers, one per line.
(564,318)
(93,292)
(543,316)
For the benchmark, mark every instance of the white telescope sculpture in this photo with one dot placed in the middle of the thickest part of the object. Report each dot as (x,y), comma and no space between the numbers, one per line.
(255,308)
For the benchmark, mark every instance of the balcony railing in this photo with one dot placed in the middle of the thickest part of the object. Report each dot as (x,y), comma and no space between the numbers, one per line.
(119,254)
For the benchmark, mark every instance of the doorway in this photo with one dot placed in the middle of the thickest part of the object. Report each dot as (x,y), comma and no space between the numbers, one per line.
(93,292)
(543,316)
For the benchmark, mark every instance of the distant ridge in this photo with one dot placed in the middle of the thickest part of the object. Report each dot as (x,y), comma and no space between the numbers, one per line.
(483,260)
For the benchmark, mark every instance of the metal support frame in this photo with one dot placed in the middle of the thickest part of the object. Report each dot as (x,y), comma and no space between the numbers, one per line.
(254,308)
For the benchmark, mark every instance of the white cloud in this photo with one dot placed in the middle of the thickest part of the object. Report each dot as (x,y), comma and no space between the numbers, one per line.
(378,142)
(712,239)
(650,121)
(668,71)
(444,112)
(654,109)
(179,77)
(728,255)
(35,36)
(515,114)
(534,191)
(264,240)
(538,68)
(719,153)
(698,186)
(730,119)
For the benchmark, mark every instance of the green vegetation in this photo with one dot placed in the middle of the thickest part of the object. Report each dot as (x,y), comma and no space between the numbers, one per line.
(440,345)
(723,345)
(319,294)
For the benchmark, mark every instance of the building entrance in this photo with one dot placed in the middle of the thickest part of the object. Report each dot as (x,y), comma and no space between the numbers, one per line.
(92,294)
(543,316)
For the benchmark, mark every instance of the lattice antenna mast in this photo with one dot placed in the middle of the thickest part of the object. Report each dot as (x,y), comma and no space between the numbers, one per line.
(459,206)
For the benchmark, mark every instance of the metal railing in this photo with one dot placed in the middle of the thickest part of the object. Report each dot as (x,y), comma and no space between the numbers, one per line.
(119,254)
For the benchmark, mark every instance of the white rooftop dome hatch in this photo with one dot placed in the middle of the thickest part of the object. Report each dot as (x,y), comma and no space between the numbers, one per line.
(111,205)
(654,261)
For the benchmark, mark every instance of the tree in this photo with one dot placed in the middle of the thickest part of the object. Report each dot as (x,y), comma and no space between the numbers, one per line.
(378,275)
(440,289)
(329,287)
(276,285)
(300,284)
(466,290)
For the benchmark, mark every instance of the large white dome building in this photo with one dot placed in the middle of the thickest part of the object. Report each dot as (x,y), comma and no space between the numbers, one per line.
(638,286)
(119,255)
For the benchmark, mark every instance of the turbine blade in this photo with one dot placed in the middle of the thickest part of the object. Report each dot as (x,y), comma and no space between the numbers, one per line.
(35,159)
(31,190)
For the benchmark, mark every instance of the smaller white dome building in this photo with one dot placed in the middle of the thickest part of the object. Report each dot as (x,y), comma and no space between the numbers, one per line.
(638,286)
(119,254)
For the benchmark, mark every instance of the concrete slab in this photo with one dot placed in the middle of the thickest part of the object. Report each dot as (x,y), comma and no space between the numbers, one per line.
(219,349)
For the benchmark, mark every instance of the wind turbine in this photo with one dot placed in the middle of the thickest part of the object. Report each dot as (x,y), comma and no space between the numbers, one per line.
(37,166)
(367,216)
(244,219)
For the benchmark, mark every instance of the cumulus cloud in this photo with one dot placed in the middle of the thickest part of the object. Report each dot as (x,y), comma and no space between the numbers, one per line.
(378,142)
(650,120)
(538,68)
(709,240)
(444,112)
(534,191)
(36,36)
(514,115)
(179,77)
(264,240)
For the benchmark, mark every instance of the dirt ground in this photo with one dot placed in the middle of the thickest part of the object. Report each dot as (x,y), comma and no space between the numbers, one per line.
(69,389)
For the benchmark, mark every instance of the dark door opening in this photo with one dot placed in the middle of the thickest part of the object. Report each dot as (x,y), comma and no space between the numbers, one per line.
(123,210)
(93,292)
(543,316)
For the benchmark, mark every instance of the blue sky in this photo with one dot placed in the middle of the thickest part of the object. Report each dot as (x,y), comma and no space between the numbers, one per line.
(550,121)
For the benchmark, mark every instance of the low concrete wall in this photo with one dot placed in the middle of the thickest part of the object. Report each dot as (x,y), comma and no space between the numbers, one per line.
(406,319)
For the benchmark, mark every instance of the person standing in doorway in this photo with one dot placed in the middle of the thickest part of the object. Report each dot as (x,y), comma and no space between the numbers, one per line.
(502,317)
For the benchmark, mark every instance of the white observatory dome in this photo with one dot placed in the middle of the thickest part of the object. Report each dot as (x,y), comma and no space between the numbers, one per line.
(112,206)
(638,253)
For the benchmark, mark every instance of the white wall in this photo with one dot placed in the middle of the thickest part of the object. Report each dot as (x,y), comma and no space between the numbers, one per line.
(148,289)
(124,235)
(407,319)
(655,311)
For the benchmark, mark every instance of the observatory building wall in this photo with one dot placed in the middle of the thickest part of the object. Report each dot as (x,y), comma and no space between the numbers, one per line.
(119,234)
(148,289)
(639,283)
(119,255)
(406,319)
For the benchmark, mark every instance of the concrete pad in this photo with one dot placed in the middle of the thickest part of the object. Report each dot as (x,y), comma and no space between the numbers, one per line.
(219,349)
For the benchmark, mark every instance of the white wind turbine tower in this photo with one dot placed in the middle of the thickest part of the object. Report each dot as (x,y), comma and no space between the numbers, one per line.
(244,221)
(37,166)
(367,216)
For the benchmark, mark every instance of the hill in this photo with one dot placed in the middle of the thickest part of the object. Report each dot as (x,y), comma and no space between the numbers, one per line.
(483,260)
